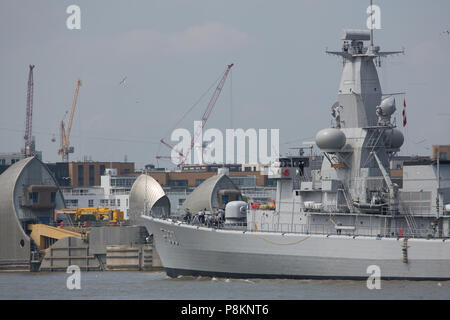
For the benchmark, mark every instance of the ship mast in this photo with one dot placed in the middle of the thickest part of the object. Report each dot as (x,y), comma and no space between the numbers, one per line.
(371,22)
(358,148)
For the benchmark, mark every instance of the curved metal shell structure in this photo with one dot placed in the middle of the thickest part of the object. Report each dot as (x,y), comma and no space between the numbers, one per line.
(28,194)
(211,194)
(147,197)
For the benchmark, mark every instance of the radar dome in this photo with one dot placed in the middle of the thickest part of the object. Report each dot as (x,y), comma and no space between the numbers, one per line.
(395,137)
(330,138)
(387,106)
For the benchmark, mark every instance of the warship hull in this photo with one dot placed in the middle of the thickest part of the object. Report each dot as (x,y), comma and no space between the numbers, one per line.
(201,251)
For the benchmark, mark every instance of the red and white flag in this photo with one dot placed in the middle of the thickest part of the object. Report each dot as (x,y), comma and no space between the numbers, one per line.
(404,112)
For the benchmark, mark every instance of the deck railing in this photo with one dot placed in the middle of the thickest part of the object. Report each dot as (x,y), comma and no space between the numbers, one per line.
(320,229)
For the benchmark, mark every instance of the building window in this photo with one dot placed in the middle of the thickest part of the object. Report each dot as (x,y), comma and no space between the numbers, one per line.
(90,203)
(118,202)
(3,161)
(80,175)
(244,181)
(102,170)
(112,202)
(122,182)
(91,175)
(104,202)
(72,203)
(181,201)
(34,197)
(127,203)
(225,198)
(270,182)
(178,183)
(53,197)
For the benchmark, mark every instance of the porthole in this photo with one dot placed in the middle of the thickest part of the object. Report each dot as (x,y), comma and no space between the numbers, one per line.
(22,243)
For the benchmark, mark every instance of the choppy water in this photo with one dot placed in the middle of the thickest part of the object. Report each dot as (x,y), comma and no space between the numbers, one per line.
(156,285)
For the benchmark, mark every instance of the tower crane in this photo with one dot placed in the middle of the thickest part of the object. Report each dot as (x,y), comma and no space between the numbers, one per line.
(65,149)
(28,151)
(183,157)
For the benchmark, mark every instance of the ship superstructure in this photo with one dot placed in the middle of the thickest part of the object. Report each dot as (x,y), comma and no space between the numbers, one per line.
(340,219)
(354,187)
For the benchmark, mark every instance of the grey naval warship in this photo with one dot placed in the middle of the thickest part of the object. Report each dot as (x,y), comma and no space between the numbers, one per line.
(344,217)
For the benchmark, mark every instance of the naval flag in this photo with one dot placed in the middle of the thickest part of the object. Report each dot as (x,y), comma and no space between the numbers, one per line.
(404,112)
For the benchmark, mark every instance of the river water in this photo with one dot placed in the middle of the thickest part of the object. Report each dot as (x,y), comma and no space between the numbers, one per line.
(156,285)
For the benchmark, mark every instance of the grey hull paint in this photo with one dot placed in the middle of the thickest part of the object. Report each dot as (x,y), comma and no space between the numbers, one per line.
(190,250)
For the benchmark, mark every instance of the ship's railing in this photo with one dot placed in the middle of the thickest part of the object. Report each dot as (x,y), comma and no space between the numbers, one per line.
(321,229)
(327,229)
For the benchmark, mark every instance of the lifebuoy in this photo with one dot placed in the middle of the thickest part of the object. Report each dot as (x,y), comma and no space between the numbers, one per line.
(286,171)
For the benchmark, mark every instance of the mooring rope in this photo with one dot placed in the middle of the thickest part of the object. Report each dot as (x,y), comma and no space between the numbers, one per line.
(281,243)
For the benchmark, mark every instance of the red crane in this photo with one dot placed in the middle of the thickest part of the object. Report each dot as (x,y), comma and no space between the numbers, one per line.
(206,114)
(29,143)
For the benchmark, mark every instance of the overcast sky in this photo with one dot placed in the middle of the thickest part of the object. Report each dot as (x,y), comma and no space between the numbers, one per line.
(172,51)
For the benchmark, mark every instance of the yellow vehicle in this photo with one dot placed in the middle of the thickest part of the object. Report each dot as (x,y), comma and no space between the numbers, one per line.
(268,206)
(98,214)
(89,215)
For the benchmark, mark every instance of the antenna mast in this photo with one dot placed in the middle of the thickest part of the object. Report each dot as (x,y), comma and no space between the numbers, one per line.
(371,23)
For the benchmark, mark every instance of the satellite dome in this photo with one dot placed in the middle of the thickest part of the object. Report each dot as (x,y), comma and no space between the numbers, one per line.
(387,106)
(394,138)
(330,138)
(397,139)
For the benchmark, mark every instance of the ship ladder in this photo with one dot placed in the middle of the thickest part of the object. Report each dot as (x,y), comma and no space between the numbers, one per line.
(405,250)
(412,225)
(347,200)
(372,143)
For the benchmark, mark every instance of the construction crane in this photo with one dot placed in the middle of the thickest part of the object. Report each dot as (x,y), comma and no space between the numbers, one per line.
(29,149)
(65,149)
(183,157)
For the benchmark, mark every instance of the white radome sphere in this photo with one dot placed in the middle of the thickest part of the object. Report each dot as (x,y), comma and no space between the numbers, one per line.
(388,106)
(330,138)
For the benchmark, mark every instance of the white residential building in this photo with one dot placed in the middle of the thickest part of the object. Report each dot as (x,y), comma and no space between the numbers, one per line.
(112,193)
